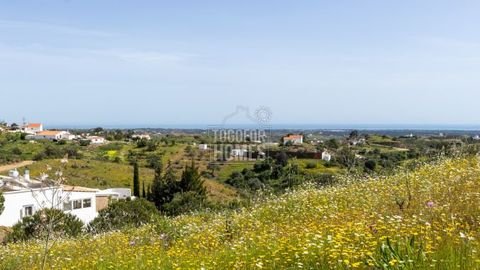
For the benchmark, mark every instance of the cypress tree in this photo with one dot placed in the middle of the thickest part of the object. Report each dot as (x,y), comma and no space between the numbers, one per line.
(136,180)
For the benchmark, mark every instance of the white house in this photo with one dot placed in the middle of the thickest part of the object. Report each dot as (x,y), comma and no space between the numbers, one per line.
(238,152)
(33,128)
(141,137)
(52,135)
(326,156)
(293,139)
(96,139)
(25,196)
(203,147)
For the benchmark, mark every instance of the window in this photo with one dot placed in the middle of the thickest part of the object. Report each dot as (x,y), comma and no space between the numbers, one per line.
(27,211)
(77,204)
(67,206)
(87,203)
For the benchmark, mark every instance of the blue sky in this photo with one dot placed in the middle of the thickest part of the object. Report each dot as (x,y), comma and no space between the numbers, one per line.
(193,62)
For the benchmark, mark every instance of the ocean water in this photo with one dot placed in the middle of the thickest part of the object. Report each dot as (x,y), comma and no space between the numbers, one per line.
(276,126)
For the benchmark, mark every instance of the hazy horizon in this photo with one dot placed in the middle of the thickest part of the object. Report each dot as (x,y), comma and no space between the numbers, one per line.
(337,63)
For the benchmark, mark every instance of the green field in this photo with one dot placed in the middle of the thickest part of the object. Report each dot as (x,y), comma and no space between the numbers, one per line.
(229,167)
(359,224)
(92,173)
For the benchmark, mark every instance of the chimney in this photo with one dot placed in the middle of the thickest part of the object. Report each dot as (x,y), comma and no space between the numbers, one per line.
(26,175)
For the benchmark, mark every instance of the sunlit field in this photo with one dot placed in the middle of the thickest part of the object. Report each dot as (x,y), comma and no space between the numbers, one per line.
(426,219)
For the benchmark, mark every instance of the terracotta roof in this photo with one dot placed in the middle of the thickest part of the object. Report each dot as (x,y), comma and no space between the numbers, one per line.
(34,125)
(49,133)
(293,137)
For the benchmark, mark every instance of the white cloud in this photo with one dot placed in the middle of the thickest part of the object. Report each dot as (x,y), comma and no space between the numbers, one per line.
(53,28)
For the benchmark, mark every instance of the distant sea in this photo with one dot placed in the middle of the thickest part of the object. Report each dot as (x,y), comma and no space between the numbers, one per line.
(275,126)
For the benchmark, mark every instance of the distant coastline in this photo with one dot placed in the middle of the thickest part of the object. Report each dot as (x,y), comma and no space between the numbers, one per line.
(373,127)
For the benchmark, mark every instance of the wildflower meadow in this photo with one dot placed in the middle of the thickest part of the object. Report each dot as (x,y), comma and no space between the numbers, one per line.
(425,219)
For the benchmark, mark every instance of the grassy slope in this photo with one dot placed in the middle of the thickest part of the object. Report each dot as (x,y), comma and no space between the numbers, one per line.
(102,174)
(340,227)
(93,173)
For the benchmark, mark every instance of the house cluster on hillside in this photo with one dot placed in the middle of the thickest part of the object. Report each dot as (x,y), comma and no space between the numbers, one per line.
(36,131)
(24,196)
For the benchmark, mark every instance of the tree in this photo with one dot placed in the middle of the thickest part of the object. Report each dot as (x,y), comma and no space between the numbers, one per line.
(123,214)
(281,159)
(2,201)
(346,157)
(144,194)
(370,165)
(37,226)
(136,181)
(191,180)
(163,187)
(173,196)
(98,130)
(183,202)
(332,144)
(353,134)
(84,142)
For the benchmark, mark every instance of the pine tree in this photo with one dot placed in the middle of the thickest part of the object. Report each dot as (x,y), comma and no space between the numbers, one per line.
(192,181)
(136,180)
(163,187)
(144,194)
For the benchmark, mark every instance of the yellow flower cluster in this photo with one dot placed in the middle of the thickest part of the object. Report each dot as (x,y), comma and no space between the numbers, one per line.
(427,219)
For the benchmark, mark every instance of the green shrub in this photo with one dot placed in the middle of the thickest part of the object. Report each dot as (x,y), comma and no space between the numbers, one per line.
(123,214)
(185,202)
(311,165)
(36,226)
(84,142)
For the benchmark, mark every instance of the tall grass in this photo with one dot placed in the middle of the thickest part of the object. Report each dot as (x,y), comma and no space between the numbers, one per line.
(359,224)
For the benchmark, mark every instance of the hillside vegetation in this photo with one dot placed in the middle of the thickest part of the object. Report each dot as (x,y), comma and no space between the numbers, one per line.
(427,219)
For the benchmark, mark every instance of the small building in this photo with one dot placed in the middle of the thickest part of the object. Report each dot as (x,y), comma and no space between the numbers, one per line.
(32,128)
(326,156)
(238,152)
(294,139)
(25,196)
(203,147)
(96,140)
(141,137)
(356,142)
(52,135)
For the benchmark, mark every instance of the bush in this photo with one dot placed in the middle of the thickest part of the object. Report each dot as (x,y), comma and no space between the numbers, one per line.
(35,227)
(185,202)
(370,165)
(311,165)
(123,214)
(84,142)
(17,151)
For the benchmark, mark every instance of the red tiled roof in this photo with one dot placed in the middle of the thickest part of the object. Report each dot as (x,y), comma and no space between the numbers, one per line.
(293,137)
(49,133)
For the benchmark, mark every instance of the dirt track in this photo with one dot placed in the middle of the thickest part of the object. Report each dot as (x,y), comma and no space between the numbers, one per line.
(8,167)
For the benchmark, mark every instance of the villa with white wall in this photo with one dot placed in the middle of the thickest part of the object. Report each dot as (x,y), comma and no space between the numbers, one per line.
(25,196)
(51,135)
(33,128)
